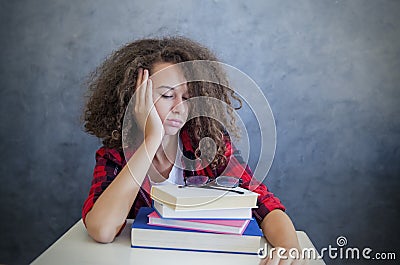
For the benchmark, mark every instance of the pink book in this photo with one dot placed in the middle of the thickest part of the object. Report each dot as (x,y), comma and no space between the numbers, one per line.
(224,226)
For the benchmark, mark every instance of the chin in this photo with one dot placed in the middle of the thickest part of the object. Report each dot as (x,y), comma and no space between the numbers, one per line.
(169,131)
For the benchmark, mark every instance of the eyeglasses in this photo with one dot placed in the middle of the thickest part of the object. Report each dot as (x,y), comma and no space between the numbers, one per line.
(225,183)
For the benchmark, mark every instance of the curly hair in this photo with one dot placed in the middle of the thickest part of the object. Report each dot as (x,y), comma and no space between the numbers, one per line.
(112,84)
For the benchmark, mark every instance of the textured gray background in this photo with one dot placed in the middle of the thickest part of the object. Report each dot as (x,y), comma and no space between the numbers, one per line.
(330,70)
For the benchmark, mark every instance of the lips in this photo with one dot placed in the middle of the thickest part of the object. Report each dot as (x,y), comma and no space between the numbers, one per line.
(175,122)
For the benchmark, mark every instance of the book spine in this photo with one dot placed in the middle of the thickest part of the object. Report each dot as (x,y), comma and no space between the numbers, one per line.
(188,239)
(189,204)
(157,195)
(196,250)
(168,213)
(216,229)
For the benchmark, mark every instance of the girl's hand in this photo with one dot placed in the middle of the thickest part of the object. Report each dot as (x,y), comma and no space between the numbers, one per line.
(145,112)
(284,259)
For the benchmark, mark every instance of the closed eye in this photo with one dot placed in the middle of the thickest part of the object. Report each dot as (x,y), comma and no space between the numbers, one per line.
(168,96)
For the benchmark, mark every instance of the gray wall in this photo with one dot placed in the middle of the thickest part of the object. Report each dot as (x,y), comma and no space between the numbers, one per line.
(330,70)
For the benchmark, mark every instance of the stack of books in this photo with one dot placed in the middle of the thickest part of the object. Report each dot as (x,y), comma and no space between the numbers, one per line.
(198,219)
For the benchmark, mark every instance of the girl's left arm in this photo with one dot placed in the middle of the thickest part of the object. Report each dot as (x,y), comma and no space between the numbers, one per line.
(275,223)
(279,230)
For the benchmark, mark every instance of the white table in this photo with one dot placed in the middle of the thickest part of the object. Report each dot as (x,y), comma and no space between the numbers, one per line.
(76,247)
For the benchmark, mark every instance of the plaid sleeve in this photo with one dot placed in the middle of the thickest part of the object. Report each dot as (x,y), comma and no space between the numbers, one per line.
(266,201)
(108,164)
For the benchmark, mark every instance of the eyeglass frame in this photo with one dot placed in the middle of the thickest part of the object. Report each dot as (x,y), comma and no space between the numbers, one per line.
(215,180)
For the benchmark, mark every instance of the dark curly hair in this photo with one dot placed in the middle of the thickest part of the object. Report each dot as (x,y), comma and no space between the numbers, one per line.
(112,84)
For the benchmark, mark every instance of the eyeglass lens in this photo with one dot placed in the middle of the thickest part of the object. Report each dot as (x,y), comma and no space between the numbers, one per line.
(224,181)
(196,180)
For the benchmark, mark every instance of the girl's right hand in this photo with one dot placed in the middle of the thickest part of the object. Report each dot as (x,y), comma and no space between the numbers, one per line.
(145,111)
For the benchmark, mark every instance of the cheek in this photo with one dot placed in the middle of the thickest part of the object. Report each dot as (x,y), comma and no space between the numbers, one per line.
(187,110)
(164,109)
(161,110)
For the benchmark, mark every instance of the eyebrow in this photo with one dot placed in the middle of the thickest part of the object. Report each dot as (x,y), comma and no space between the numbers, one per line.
(167,87)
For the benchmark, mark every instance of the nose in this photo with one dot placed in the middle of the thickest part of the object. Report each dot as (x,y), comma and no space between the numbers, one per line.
(179,105)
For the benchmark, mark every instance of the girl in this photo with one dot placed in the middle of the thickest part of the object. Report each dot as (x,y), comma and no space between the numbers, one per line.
(121,184)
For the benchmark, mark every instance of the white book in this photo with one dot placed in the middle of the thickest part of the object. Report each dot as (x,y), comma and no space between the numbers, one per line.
(195,198)
(168,212)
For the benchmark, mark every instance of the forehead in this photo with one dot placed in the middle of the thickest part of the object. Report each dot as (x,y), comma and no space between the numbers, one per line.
(167,74)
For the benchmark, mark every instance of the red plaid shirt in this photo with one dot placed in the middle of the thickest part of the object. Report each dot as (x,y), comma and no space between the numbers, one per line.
(109,163)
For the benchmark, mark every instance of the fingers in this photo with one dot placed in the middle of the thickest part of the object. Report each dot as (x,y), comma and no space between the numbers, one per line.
(269,261)
(137,88)
(286,262)
(149,91)
(278,261)
(264,261)
(300,262)
(139,79)
(141,88)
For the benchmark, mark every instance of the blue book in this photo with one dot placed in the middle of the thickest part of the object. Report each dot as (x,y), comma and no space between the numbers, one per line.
(144,235)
